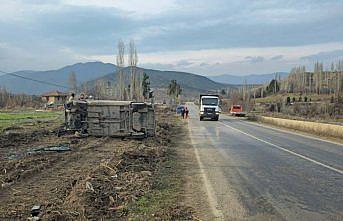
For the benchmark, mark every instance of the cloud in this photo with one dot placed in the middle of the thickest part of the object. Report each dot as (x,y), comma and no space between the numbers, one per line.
(326,55)
(277,57)
(134,7)
(158,66)
(43,29)
(183,63)
(97,24)
(203,64)
(229,60)
(179,65)
(256,59)
(38,2)
(12,56)
(232,25)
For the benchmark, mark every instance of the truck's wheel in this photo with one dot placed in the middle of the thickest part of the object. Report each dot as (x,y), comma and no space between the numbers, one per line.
(201,118)
(216,118)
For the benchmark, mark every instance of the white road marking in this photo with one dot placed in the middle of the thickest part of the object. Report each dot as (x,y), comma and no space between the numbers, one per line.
(288,151)
(285,131)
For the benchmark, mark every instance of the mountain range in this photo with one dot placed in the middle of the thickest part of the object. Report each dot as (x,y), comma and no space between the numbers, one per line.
(162,79)
(250,79)
(91,71)
(84,72)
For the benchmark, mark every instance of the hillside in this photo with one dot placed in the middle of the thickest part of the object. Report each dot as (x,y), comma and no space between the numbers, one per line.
(251,79)
(161,79)
(84,72)
(91,71)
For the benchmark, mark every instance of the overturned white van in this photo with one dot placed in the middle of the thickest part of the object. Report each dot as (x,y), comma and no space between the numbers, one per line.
(111,118)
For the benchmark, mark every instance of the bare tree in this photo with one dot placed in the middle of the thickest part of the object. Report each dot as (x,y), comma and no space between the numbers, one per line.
(339,78)
(84,88)
(100,89)
(133,60)
(331,89)
(174,91)
(72,82)
(120,64)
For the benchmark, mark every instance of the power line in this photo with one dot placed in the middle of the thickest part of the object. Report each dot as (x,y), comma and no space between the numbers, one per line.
(35,80)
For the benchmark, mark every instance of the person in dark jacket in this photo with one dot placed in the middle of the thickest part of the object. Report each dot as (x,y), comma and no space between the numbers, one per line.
(183,113)
(187,112)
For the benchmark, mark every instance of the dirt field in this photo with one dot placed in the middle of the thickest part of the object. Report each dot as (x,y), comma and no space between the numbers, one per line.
(98,179)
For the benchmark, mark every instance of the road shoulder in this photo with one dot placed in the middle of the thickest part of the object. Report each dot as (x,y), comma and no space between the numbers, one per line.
(195,193)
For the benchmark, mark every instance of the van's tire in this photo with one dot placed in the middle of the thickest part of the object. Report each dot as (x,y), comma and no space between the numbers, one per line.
(216,118)
(201,118)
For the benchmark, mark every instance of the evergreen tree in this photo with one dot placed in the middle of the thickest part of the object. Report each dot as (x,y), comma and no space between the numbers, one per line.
(146,85)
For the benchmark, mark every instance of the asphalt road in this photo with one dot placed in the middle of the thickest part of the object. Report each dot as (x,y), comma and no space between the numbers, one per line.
(251,172)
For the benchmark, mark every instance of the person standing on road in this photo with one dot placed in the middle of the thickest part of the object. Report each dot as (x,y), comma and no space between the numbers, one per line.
(183,113)
(187,112)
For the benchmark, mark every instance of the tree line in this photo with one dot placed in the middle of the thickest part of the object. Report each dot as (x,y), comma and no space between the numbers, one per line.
(11,100)
(327,81)
(320,81)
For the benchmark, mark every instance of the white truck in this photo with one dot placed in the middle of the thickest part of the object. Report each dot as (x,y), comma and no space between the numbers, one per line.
(209,107)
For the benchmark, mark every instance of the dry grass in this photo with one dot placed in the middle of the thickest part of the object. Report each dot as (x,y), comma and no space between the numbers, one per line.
(282,97)
(329,130)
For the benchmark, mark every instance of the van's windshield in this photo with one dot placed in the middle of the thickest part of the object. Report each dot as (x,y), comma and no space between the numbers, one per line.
(210,101)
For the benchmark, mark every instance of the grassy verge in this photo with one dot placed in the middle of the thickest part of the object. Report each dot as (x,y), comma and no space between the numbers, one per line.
(320,129)
(165,193)
(165,200)
(28,115)
(8,119)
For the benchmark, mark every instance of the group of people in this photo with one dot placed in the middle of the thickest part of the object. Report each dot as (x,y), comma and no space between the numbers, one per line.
(82,97)
(185,113)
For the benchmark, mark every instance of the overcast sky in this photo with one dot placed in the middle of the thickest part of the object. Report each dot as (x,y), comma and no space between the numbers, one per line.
(205,37)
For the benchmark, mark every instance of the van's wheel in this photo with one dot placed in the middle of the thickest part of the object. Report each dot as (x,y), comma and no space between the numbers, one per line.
(216,118)
(201,118)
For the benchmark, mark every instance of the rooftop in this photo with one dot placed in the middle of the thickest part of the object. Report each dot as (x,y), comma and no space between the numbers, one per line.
(54,94)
